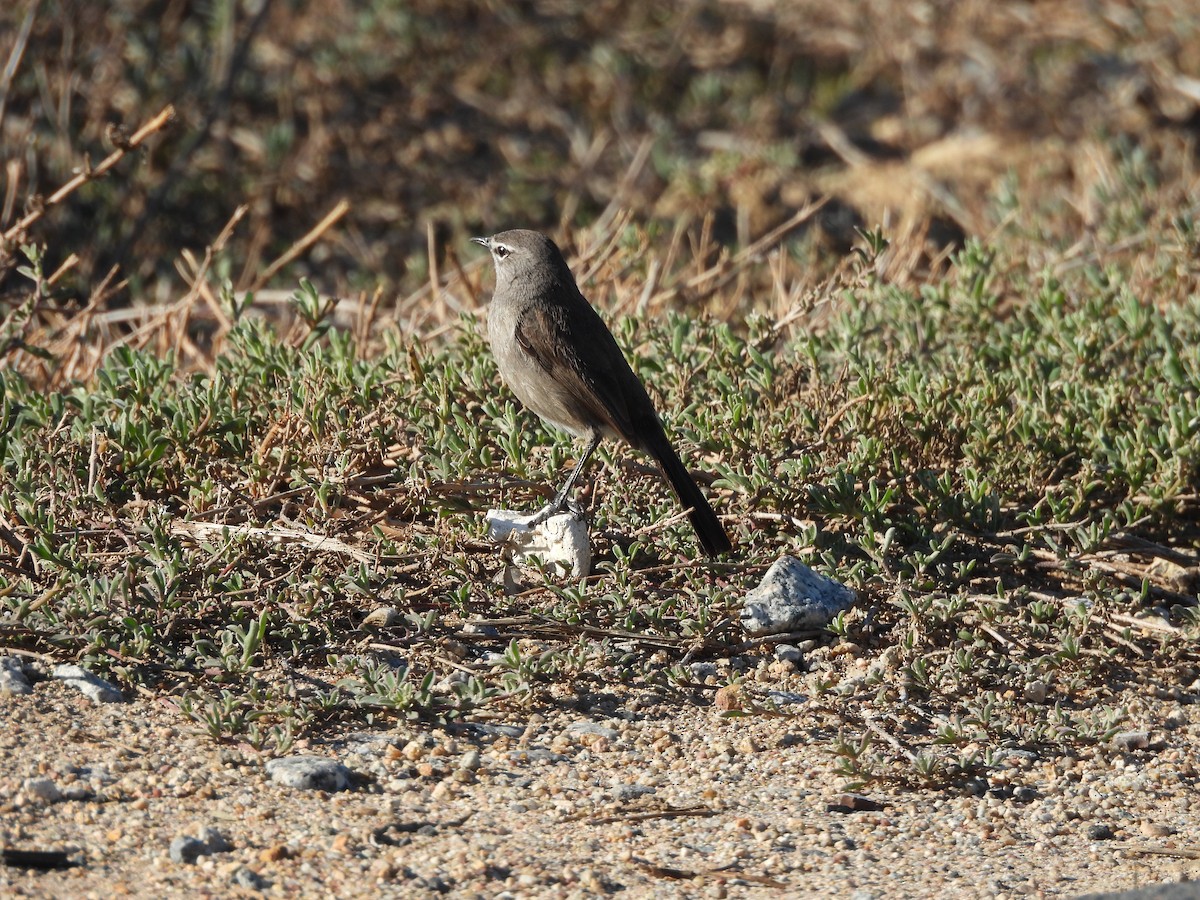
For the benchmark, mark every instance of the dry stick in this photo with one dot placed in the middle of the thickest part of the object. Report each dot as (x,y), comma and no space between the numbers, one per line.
(598,254)
(668,813)
(1152,625)
(134,337)
(91,174)
(12,174)
(1178,852)
(626,184)
(431,251)
(14,58)
(342,207)
(199,282)
(472,289)
(199,530)
(841,411)
(746,254)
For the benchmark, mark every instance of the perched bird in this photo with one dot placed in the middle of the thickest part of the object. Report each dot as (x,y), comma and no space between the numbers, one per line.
(556,354)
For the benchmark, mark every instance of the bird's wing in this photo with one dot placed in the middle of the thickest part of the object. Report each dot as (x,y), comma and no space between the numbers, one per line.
(608,393)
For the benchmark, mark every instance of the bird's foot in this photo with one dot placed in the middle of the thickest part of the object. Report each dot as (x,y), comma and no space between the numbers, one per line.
(553,508)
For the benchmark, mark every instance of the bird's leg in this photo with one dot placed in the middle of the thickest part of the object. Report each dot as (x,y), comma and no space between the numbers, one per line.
(561,500)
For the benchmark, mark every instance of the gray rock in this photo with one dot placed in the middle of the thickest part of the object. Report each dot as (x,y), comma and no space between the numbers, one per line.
(1100,832)
(248,878)
(792,597)
(626,792)
(489,730)
(787,698)
(95,689)
(1131,740)
(186,849)
(593,728)
(309,773)
(789,653)
(470,761)
(12,676)
(215,841)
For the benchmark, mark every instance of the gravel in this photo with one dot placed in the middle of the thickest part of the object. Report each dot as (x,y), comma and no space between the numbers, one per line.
(665,800)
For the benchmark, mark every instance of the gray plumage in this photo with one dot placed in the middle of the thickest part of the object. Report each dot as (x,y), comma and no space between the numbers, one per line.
(556,354)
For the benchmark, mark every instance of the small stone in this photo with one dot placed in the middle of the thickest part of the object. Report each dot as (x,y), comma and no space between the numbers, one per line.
(1131,740)
(1036,691)
(470,761)
(480,629)
(381,617)
(274,853)
(186,849)
(789,653)
(848,802)
(1100,832)
(580,728)
(747,745)
(246,877)
(43,790)
(728,698)
(309,773)
(1154,830)
(414,750)
(95,689)
(626,792)
(341,844)
(12,676)
(1024,794)
(215,841)
(792,597)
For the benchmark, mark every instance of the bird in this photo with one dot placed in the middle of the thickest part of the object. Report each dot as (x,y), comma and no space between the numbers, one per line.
(556,354)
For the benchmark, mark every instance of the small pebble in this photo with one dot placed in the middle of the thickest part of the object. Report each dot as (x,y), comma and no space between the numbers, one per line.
(246,877)
(789,653)
(1131,740)
(309,773)
(186,849)
(470,761)
(12,676)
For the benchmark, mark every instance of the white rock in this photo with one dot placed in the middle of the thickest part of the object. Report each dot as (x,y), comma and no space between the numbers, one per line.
(43,790)
(560,541)
(94,688)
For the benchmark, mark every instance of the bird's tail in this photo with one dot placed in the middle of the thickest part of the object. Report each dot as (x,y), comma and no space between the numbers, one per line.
(708,528)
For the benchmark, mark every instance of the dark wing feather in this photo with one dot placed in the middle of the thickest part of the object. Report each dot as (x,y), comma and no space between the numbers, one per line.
(609,392)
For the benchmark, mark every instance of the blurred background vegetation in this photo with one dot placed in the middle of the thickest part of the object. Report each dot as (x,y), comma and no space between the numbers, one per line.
(439,120)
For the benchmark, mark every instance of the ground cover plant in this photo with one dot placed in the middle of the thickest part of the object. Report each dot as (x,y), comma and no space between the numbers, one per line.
(262,498)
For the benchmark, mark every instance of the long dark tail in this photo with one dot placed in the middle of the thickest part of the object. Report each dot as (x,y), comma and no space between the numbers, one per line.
(708,528)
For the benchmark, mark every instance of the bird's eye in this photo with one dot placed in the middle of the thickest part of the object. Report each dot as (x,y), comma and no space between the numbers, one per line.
(500,250)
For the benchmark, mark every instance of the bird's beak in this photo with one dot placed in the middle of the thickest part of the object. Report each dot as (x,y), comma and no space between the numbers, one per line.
(482,242)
